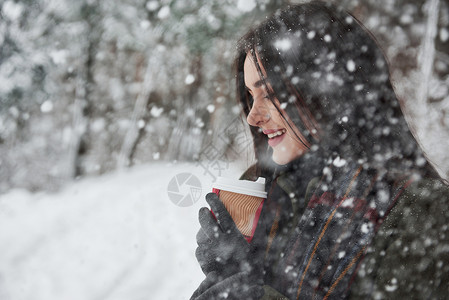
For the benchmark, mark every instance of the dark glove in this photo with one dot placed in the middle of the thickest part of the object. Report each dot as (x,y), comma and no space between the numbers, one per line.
(221,246)
(238,286)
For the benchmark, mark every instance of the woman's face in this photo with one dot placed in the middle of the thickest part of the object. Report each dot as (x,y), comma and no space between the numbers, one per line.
(263,114)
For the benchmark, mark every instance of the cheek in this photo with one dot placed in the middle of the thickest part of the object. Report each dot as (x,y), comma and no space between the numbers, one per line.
(276,116)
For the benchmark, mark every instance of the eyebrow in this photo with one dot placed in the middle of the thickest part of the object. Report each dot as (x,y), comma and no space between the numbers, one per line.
(256,84)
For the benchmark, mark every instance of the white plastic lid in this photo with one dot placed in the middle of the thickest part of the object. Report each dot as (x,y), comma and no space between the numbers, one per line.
(247,187)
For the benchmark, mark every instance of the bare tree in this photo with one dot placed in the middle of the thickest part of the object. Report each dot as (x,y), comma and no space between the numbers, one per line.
(140,109)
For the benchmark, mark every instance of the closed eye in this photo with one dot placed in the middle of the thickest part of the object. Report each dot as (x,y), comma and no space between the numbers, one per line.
(251,98)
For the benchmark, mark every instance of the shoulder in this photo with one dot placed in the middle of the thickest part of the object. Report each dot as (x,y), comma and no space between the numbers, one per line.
(409,255)
(425,200)
(426,189)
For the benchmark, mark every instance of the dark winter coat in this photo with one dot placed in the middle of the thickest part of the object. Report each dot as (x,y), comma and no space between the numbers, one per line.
(322,241)
(409,256)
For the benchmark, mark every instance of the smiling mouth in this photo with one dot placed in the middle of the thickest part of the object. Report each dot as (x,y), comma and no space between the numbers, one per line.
(277,133)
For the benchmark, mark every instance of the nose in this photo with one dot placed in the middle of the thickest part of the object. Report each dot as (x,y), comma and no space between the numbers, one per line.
(259,114)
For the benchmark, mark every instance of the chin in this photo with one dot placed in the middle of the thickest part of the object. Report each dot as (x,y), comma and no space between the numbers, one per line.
(284,157)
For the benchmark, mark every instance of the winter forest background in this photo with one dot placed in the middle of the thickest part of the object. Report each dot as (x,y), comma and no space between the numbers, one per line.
(90,87)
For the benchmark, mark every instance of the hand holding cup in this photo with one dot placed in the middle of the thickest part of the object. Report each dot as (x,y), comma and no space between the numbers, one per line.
(243,200)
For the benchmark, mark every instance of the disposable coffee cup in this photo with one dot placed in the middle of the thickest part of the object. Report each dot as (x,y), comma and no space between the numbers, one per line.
(244,201)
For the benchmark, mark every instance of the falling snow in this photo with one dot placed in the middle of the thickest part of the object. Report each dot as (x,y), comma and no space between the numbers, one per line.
(350,65)
(246,5)
(283,45)
(164,12)
(311,35)
(189,79)
(82,83)
(156,111)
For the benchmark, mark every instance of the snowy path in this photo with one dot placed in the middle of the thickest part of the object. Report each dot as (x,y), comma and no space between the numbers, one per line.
(112,237)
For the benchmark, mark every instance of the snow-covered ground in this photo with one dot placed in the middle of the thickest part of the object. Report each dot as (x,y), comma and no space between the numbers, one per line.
(117,236)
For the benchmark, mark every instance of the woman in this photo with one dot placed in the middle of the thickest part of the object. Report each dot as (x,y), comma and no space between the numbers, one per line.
(341,163)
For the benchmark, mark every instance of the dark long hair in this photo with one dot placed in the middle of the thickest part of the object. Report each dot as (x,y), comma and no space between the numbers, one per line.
(333,81)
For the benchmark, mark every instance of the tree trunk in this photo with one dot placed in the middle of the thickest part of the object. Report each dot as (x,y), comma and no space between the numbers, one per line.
(186,138)
(82,113)
(140,108)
